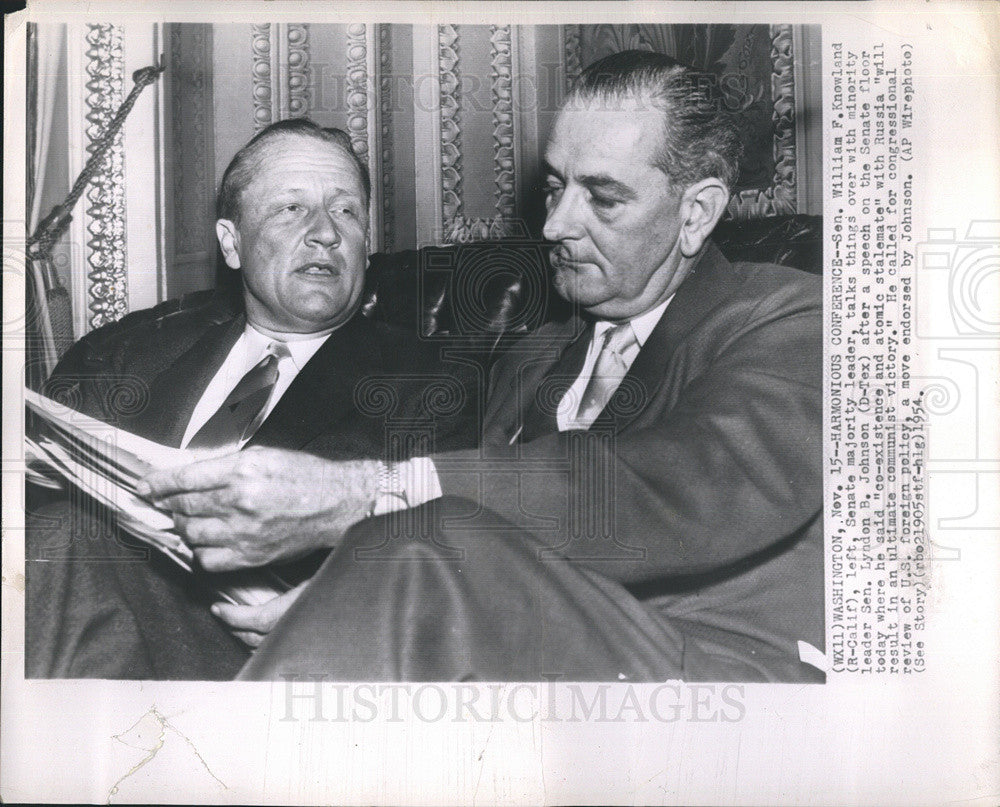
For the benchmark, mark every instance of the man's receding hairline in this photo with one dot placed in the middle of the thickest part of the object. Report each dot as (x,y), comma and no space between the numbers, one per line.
(648,99)
(271,140)
(623,94)
(257,155)
(645,94)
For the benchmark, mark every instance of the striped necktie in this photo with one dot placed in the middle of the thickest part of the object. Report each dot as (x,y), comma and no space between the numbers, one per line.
(244,408)
(609,370)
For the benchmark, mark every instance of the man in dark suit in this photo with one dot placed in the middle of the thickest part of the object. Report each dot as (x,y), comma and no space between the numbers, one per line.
(646,502)
(292,365)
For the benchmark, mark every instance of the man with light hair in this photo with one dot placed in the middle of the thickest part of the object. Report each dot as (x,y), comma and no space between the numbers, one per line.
(646,500)
(276,370)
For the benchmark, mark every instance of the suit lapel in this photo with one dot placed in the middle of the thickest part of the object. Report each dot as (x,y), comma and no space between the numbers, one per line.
(551,385)
(323,391)
(175,392)
(510,406)
(712,280)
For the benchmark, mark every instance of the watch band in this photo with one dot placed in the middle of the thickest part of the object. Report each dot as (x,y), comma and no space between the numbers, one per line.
(390,494)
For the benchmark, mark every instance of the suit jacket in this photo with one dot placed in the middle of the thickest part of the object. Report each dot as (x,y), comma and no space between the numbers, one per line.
(368,391)
(368,383)
(700,485)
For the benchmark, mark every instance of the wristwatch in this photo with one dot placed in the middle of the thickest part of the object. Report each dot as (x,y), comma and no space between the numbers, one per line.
(390,495)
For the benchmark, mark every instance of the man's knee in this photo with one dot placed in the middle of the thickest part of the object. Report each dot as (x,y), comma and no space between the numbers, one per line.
(432,531)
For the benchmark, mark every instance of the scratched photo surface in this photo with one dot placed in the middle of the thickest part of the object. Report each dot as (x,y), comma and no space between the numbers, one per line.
(454,404)
(562,505)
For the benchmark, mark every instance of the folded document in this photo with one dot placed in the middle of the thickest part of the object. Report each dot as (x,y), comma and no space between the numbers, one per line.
(106,463)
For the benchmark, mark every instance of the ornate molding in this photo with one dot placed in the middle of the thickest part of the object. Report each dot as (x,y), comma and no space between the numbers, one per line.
(450,131)
(299,95)
(260,49)
(571,55)
(457,226)
(503,120)
(105,205)
(357,89)
(281,74)
(369,107)
(780,197)
(385,134)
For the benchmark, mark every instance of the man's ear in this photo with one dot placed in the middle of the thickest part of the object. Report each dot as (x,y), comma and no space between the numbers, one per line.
(702,205)
(229,242)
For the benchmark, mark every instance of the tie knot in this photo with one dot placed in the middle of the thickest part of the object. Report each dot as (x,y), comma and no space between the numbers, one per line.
(268,364)
(246,405)
(279,350)
(619,338)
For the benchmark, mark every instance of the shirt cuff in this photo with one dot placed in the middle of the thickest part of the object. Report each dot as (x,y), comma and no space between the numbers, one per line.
(417,482)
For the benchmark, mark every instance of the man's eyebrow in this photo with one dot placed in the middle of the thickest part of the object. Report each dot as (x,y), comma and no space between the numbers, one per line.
(605,182)
(591,181)
(292,191)
(547,167)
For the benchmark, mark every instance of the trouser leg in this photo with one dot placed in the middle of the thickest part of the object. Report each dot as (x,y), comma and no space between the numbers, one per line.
(469,605)
(101,607)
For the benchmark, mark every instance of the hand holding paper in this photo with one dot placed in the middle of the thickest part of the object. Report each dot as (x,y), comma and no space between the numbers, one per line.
(107,463)
(262,505)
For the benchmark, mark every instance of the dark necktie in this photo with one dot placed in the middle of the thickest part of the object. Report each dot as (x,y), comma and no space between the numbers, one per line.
(609,370)
(243,410)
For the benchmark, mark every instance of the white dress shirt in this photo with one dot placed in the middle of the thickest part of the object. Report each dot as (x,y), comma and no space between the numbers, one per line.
(642,327)
(249,349)
(418,476)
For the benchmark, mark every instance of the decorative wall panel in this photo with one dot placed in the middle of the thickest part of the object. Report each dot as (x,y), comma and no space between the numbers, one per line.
(191,161)
(357,88)
(452,121)
(260,51)
(368,104)
(106,255)
(459,227)
(755,67)
(439,112)
(281,72)
(778,196)
(503,120)
(298,75)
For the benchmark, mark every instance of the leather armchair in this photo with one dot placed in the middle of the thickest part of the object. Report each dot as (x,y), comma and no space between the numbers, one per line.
(495,287)
(473,295)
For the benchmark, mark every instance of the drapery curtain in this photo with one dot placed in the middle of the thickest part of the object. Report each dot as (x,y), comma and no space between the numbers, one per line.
(50,325)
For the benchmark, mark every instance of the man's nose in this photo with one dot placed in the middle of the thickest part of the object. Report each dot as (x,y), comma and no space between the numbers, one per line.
(322,229)
(563,218)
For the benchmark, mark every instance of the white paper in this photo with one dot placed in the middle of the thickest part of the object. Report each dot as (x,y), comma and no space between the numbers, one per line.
(927,737)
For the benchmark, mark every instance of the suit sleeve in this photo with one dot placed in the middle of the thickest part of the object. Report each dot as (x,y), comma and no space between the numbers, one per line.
(84,376)
(731,468)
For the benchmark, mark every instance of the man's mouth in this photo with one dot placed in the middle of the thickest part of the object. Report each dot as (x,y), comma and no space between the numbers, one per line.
(319,269)
(560,258)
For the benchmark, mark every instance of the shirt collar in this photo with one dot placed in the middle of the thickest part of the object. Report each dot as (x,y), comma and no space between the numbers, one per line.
(300,346)
(642,325)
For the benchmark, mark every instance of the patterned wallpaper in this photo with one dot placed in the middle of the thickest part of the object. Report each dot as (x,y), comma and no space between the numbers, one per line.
(451,119)
(104,199)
